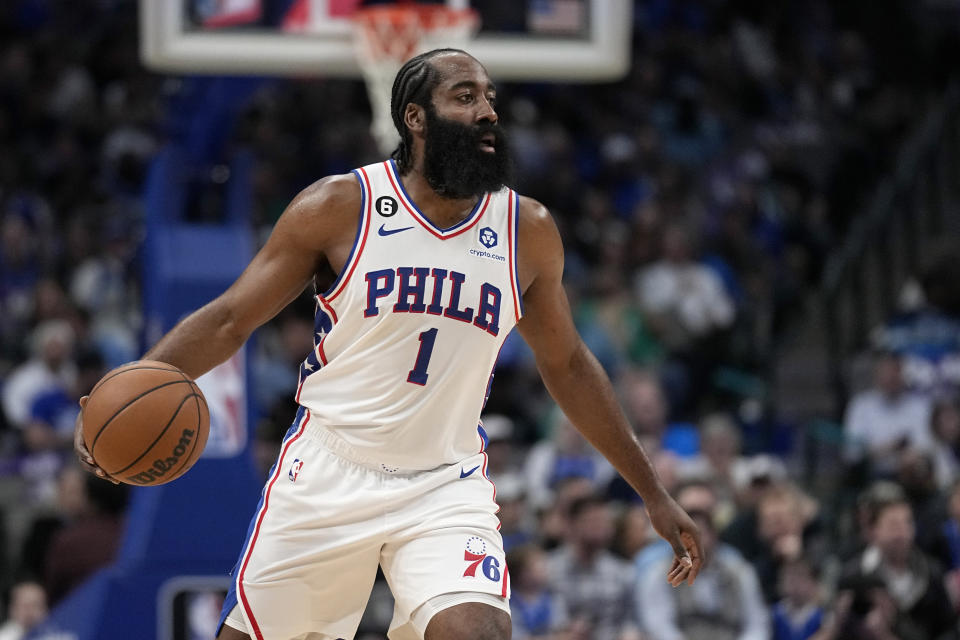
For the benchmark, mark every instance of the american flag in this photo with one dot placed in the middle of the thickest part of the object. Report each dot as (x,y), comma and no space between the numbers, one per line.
(227,13)
(557,16)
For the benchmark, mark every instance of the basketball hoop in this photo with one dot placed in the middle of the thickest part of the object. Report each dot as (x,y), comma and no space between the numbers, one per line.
(386,36)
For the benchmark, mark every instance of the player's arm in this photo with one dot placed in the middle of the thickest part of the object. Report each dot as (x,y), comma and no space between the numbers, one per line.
(319,217)
(578,384)
(320,221)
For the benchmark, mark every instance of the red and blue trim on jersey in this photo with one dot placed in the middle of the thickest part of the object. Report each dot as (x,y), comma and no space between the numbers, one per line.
(513,227)
(464,225)
(326,306)
(324,320)
(326,315)
(359,241)
(236,595)
(484,442)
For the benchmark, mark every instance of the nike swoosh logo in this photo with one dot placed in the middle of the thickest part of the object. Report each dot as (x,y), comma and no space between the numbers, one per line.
(389,232)
(465,474)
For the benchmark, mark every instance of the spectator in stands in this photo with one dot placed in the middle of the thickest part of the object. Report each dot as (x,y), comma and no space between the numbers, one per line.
(501,448)
(48,432)
(915,474)
(50,302)
(597,586)
(645,403)
(928,338)
(913,579)
(691,133)
(281,349)
(554,519)
(752,481)
(687,306)
(945,429)
(566,454)
(941,539)
(786,529)
(799,614)
(53,411)
(883,421)
(517,527)
(102,287)
(26,610)
(94,512)
(725,602)
(865,609)
(20,269)
(694,496)
(719,461)
(72,505)
(536,609)
(868,501)
(51,367)
(633,532)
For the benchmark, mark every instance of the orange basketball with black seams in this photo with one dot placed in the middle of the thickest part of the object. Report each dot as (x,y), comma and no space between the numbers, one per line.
(146,423)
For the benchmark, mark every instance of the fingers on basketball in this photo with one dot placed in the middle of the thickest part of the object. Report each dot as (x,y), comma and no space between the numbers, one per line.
(145,423)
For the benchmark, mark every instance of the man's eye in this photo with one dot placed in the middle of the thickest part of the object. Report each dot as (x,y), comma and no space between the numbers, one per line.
(466,98)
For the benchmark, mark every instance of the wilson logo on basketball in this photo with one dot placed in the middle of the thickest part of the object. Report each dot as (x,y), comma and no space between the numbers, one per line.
(161,467)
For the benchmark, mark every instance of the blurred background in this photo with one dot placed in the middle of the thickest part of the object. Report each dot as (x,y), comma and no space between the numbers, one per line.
(761,226)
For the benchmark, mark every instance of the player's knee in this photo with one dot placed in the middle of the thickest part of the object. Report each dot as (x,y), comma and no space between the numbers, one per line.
(229,633)
(499,627)
(470,621)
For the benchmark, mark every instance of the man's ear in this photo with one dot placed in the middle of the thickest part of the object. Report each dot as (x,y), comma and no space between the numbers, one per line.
(414,117)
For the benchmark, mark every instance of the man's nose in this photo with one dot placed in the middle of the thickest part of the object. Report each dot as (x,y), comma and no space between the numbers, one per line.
(487,112)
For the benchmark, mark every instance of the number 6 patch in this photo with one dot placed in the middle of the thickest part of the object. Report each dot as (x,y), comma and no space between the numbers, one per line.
(386,206)
(475,554)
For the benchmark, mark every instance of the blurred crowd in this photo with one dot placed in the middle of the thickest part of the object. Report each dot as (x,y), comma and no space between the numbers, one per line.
(698,199)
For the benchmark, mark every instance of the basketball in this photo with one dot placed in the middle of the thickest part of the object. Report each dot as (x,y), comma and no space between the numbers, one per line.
(145,423)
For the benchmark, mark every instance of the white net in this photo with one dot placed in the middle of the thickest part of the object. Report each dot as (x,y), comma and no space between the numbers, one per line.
(387,36)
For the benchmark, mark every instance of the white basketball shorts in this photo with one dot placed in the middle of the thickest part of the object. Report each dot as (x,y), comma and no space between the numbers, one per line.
(328,517)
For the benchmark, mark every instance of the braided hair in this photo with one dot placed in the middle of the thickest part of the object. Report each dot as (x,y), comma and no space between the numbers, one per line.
(414,83)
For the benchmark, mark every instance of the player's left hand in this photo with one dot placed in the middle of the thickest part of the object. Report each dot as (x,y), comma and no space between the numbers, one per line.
(675,526)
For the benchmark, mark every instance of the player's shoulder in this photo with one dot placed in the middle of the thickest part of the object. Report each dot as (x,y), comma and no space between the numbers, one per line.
(534,217)
(331,191)
(331,201)
(539,247)
(324,213)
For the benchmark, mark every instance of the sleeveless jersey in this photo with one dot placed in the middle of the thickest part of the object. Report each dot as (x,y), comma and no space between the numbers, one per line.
(408,335)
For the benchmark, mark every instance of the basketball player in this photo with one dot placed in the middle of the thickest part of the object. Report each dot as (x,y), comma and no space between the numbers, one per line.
(437,261)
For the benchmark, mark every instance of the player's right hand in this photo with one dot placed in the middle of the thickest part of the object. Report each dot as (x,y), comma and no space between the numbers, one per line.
(673,524)
(80,447)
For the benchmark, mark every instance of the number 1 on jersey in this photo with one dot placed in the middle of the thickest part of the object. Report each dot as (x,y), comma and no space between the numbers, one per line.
(418,375)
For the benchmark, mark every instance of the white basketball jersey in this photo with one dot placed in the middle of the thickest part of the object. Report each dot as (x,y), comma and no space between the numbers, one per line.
(407,337)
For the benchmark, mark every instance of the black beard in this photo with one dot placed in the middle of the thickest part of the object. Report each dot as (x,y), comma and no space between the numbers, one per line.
(455,166)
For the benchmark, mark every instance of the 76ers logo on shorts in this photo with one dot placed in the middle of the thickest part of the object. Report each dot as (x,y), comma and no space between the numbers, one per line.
(476,554)
(295,469)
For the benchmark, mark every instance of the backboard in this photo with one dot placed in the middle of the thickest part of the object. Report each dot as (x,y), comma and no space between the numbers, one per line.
(548,40)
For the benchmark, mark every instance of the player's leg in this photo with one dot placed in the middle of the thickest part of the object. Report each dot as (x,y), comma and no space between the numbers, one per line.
(229,633)
(469,620)
(446,565)
(234,628)
(232,625)
(438,596)
(312,549)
